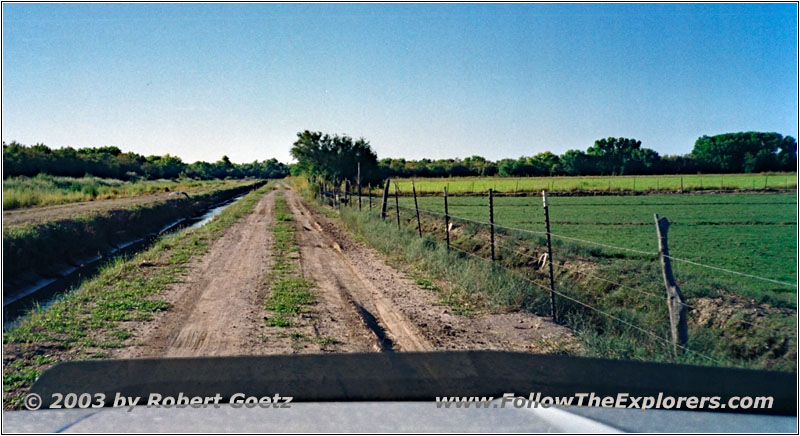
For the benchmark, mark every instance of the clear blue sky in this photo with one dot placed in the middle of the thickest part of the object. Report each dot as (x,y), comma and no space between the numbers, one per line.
(419,80)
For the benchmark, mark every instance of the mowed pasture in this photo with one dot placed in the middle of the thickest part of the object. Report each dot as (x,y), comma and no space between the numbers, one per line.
(749,233)
(693,182)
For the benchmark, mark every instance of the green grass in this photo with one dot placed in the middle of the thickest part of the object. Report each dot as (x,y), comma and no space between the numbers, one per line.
(476,185)
(91,320)
(749,233)
(45,190)
(290,294)
(478,285)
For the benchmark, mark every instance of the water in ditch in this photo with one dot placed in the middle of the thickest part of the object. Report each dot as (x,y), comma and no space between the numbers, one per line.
(50,290)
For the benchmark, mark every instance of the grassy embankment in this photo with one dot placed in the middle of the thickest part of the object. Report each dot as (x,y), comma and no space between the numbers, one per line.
(97,317)
(43,248)
(719,326)
(45,190)
(601,184)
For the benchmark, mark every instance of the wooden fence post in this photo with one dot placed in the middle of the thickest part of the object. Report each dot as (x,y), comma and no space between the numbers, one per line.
(358,182)
(335,194)
(416,206)
(385,197)
(550,257)
(675,302)
(491,219)
(369,192)
(397,205)
(446,221)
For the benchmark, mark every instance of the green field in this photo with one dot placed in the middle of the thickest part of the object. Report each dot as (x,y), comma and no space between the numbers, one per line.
(465,185)
(748,233)
(44,190)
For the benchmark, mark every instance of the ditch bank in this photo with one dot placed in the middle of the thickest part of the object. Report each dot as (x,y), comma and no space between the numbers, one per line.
(39,255)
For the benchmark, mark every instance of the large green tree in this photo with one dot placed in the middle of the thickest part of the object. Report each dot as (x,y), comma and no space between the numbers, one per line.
(622,156)
(746,152)
(335,158)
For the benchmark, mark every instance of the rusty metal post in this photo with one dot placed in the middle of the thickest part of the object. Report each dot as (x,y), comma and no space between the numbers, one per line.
(491,219)
(416,206)
(397,205)
(446,221)
(550,257)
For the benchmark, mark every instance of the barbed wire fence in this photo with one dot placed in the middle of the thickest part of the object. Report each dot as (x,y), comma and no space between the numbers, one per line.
(334,196)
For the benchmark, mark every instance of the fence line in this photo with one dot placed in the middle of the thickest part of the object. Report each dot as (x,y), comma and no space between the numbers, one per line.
(620,285)
(613,317)
(677,259)
(633,250)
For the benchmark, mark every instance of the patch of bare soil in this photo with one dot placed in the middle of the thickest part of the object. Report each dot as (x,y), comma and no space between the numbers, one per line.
(410,317)
(717,312)
(217,310)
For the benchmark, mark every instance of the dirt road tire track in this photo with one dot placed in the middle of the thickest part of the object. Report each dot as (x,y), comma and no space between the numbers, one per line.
(412,317)
(217,309)
(333,273)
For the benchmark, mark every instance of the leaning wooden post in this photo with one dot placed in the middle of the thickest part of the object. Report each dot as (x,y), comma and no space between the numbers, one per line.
(385,197)
(397,205)
(550,257)
(416,206)
(491,220)
(446,221)
(675,302)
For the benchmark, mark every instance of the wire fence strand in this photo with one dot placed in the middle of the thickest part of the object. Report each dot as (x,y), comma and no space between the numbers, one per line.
(617,284)
(609,246)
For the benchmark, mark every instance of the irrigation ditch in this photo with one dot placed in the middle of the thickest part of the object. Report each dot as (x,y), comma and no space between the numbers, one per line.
(44,261)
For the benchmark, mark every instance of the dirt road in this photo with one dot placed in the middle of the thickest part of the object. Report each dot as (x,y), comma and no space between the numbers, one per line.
(362,304)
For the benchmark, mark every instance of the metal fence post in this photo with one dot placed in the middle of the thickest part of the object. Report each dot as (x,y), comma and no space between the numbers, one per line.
(397,206)
(446,221)
(491,219)
(550,258)
(416,206)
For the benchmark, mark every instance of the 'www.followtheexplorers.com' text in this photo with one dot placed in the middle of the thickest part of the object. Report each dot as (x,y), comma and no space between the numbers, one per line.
(620,401)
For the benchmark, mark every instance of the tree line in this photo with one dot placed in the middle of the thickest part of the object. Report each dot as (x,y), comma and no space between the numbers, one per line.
(743,152)
(111,162)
